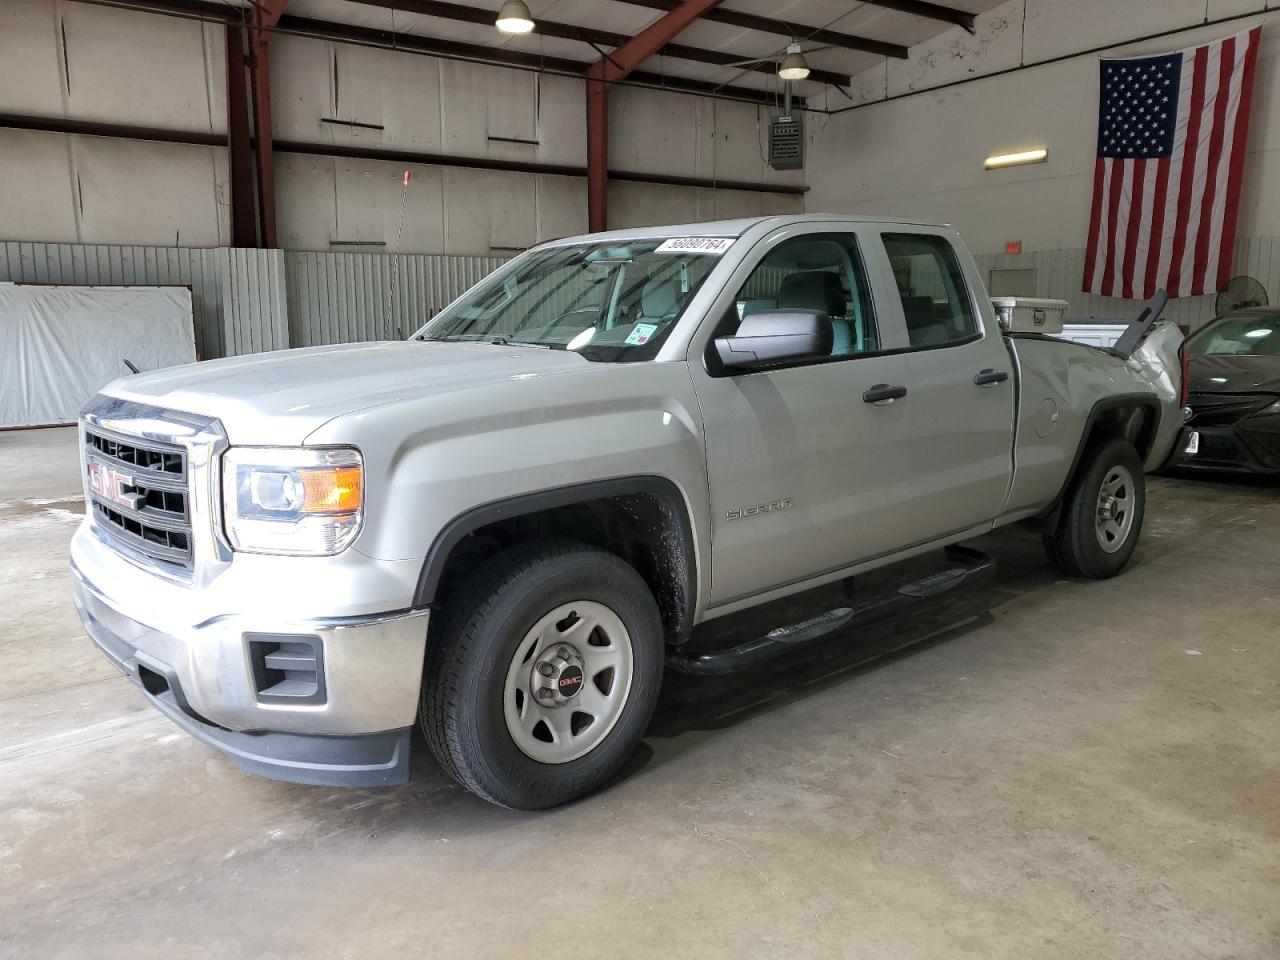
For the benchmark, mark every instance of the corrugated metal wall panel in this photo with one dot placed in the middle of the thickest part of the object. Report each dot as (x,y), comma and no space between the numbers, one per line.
(349,297)
(255,315)
(1059,274)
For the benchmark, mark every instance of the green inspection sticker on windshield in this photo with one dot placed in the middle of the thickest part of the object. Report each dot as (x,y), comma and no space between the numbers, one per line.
(641,334)
(709,245)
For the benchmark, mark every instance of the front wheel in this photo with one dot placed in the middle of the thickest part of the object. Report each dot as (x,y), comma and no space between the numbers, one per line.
(544,676)
(1102,513)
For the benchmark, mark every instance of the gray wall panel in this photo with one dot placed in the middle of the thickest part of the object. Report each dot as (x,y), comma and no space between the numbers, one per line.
(255,314)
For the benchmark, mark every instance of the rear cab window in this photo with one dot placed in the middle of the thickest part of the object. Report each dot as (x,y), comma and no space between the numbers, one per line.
(930,285)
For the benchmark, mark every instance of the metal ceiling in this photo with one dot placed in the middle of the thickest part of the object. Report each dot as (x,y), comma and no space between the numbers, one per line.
(844,37)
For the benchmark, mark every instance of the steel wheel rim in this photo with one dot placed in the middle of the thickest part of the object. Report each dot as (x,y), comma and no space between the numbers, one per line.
(566,728)
(1117,499)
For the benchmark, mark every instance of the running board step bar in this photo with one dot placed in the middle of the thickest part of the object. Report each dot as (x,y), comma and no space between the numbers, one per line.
(967,565)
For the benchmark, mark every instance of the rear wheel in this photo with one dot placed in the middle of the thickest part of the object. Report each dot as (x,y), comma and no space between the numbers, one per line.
(544,676)
(1102,513)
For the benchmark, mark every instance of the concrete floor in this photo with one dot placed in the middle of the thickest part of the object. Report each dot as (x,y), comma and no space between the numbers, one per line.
(1030,768)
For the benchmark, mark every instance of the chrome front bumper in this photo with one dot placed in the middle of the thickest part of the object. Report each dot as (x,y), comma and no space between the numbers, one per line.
(202,678)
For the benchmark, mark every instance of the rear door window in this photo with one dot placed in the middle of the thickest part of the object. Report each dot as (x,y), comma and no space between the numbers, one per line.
(935,301)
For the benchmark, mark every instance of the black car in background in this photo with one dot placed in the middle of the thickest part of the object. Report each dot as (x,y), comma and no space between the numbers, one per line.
(1235,391)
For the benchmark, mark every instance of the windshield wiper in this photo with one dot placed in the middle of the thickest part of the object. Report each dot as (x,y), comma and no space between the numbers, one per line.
(486,338)
(508,342)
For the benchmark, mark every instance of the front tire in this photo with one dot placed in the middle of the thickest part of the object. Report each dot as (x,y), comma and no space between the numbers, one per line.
(1102,513)
(544,676)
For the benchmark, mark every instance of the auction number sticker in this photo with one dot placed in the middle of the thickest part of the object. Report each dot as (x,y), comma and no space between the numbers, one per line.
(713,246)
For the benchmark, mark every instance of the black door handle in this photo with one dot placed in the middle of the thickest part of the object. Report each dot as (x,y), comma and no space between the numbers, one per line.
(882,392)
(989,376)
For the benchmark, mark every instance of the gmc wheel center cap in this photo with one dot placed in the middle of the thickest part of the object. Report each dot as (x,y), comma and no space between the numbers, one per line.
(569,681)
(558,676)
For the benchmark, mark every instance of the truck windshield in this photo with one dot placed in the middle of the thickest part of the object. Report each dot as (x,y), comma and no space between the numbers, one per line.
(1249,335)
(614,303)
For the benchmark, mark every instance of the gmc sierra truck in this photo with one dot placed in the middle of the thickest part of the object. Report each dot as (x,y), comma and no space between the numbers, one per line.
(503,528)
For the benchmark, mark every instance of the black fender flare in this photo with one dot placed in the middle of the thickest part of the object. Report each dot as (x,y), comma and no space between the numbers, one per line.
(1103,406)
(665,490)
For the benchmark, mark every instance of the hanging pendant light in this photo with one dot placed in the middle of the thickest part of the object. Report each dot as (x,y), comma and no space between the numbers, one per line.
(794,66)
(514,17)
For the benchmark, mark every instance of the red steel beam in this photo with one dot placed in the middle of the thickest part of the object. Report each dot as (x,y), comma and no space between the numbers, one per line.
(614,67)
(597,155)
(244,224)
(266,14)
(650,40)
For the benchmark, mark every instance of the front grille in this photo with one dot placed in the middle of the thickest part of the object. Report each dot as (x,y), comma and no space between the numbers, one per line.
(1224,409)
(138,490)
(1219,448)
(1263,443)
(148,458)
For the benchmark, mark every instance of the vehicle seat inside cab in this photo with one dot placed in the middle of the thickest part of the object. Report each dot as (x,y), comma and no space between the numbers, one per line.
(819,290)
(660,299)
(924,328)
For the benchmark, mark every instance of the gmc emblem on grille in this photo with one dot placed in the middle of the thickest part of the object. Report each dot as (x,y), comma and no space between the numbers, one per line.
(110,484)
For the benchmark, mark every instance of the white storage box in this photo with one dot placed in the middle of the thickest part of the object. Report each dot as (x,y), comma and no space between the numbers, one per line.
(1102,335)
(1029,314)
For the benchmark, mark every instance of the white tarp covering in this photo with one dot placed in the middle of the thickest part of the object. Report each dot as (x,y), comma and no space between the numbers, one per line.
(60,345)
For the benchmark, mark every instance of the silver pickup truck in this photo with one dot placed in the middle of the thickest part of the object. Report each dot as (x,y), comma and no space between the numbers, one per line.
(504,527)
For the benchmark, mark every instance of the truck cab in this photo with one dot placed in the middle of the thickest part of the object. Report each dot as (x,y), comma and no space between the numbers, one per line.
(886,439)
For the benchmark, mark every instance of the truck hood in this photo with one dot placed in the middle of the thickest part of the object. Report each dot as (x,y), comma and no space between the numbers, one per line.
(281,397)
(1223,373)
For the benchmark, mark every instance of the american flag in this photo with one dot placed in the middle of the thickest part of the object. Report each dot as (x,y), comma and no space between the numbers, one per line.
(1166,185)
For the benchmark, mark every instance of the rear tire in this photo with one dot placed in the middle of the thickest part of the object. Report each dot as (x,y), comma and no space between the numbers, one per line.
(1102,513)
(544,676)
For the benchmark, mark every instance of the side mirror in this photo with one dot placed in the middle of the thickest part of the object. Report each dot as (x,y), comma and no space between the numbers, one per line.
(772,337)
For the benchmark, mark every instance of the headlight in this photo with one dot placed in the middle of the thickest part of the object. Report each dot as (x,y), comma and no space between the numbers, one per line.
(291,500)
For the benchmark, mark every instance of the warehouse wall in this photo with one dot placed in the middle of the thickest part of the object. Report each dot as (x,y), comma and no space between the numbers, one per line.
(1057,274)
(442,106)
(92,63)
(64,59)
(921,156)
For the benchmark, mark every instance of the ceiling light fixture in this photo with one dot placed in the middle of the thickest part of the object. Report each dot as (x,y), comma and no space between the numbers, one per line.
(794,66)
(514,17)
(1014,159)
